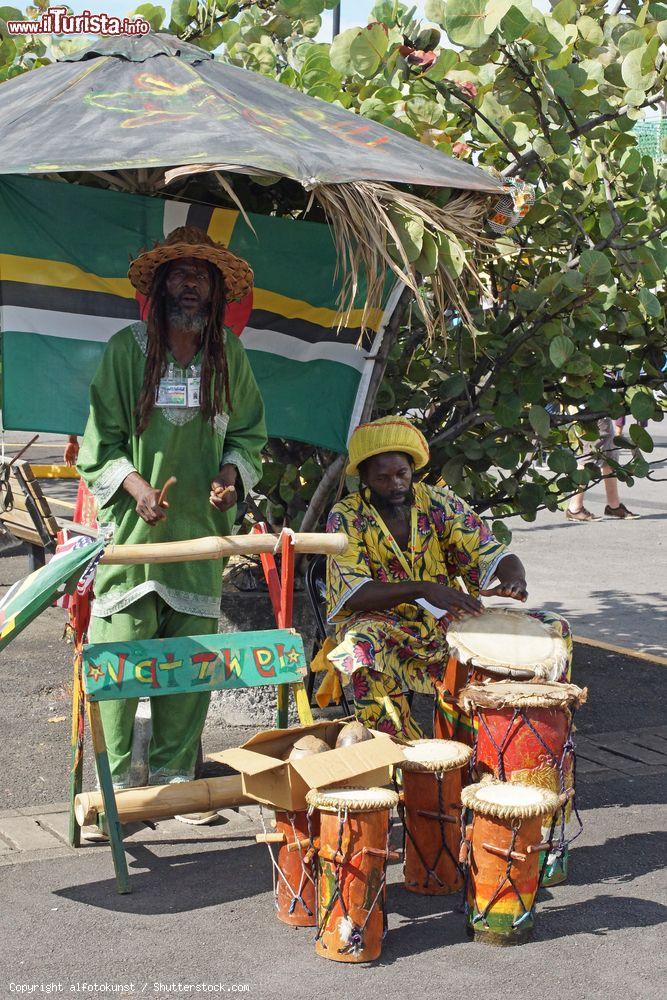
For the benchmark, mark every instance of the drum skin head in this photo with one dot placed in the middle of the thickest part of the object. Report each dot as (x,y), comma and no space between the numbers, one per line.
(351,799)
(509,800)
(511,694)
(505,639)
(435,755)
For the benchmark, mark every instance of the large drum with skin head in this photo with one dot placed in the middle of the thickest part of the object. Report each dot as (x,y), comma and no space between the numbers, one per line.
(501,849)
(499,644)
(352,860)
(432,776)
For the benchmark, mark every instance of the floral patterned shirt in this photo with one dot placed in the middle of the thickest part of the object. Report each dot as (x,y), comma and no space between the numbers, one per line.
(452,543)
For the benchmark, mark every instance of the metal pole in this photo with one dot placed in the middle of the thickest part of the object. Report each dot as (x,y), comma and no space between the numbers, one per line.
(336,21)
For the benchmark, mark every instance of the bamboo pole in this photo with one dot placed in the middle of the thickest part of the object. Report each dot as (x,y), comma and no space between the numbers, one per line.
(221,547)
(164,801)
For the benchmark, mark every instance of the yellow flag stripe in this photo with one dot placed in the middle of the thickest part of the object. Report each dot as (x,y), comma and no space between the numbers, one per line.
(58,274)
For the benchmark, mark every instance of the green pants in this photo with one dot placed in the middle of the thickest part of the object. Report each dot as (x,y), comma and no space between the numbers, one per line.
(177,719)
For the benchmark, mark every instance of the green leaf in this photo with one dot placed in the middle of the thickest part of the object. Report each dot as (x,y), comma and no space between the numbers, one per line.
(434,10)
(501,532)
(562,461)
(642,406)
(451,253)
(565,11)
(452,471)
(641,438)
(410,229)
(595,265)
(464,22)
(634,76)
(453,386)
(427,261)
(590,30)
(514,24)
(650,302)
(560,350)
(539,420)
(359,51)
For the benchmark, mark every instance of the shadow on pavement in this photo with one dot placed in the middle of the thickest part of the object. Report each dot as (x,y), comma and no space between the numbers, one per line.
(612,607)
(619,859)
(213,877)
(600,915)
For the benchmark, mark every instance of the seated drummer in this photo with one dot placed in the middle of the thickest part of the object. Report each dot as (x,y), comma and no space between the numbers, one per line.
(407,541)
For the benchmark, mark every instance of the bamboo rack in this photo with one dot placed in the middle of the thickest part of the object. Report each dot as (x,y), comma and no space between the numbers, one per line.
(221,547)
(164,801)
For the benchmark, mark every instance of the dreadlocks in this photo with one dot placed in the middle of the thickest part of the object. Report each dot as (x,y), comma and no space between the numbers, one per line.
(214,369)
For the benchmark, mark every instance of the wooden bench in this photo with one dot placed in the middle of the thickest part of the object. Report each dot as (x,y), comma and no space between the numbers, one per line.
(28,515)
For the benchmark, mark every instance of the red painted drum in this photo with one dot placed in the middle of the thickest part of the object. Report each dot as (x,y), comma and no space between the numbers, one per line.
(524,733)
(352,859)
(294,868)
(502,849)
(431,811)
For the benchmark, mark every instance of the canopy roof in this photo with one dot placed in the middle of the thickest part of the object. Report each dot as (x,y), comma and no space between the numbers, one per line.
(155,101)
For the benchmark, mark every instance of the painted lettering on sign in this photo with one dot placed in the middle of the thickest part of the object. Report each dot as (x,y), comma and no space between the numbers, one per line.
(204,663)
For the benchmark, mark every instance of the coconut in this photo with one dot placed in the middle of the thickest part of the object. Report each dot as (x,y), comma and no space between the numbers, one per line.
(353,732)
(306,746)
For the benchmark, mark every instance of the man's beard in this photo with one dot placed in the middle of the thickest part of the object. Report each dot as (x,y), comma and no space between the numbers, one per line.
(183,321)
(391,506)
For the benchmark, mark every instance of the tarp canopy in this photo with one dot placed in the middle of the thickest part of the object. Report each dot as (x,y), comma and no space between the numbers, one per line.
(155,101)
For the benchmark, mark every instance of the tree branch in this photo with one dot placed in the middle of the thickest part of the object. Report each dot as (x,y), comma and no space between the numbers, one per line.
(460,96)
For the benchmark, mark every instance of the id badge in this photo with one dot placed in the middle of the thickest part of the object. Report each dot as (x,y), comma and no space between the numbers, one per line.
(171,393)
(193,391)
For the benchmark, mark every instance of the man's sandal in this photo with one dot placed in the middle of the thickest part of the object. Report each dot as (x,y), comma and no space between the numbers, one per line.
(199,819)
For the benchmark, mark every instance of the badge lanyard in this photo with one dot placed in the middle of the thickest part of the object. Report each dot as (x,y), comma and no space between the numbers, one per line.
(400,555)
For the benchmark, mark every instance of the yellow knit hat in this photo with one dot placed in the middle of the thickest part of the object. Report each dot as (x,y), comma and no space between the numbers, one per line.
(387,434)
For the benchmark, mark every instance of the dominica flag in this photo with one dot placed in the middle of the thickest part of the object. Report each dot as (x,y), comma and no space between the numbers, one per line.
(28,597)
(64,291)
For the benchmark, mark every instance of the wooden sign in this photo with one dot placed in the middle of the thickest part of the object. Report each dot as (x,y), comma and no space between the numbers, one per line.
(146,669)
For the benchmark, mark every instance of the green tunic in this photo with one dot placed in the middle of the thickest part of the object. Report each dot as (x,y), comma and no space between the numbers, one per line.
(177,442)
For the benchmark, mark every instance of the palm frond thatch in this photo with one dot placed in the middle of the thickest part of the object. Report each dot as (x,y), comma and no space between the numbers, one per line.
(367,242)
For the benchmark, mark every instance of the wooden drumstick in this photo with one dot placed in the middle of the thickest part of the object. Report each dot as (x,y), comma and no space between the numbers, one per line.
(162,499)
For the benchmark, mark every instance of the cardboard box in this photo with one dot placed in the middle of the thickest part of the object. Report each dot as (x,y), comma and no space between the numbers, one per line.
(282,784)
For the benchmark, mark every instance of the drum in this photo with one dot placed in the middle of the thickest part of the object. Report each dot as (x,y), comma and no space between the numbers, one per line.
(501,849)
(431,814)
(499,644)
(294,868)
(524,732)
(352,861)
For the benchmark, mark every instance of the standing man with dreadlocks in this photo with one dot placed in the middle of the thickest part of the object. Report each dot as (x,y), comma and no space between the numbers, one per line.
(174,396)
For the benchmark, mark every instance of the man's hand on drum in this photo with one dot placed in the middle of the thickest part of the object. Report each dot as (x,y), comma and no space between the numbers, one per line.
(511,577)
(454,602)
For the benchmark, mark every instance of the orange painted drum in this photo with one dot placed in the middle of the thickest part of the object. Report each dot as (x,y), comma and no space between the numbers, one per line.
(352,861)
(295,869)
(502,849)
(431,812)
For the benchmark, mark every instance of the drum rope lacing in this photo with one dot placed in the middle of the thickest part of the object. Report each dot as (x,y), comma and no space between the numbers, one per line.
(276,870)
(504,880)
(354,933)
(444,846)
(557,762)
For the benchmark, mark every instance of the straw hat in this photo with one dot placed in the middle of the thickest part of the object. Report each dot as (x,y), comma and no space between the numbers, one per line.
(190,241)
(383,435)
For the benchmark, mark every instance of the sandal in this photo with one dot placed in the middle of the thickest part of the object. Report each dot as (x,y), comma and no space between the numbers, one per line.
(581,515)
(620,512)
(199,819)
